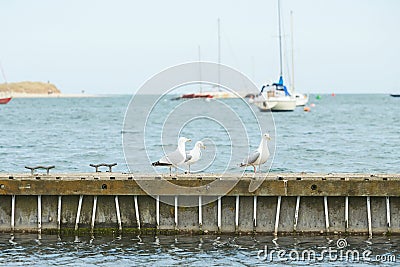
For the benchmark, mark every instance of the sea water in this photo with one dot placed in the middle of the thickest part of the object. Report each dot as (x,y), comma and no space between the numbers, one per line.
(342,133)
(206,250)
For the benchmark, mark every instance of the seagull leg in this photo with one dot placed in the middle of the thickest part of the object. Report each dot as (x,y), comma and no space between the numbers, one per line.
(170,171)
(189,168)
(254,168)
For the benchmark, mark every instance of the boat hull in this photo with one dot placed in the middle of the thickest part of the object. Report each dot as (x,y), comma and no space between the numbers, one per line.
(285,105)
(211,95)
(266,105)
(395,95)
(301,100)
(196,96)
(275,103)
(5,100)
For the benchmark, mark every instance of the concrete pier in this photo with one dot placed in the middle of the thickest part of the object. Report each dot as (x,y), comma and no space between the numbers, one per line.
(295,203)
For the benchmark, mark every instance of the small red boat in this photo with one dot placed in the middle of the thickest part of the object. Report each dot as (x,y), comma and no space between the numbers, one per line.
(5,100)
(200,95)
(5,97)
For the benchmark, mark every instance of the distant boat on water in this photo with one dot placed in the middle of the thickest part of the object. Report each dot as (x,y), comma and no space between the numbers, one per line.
(5,97)
(215,92)
(210,94)
(276,96)
(5,100)
(395,95)
(198,95)
(301,99)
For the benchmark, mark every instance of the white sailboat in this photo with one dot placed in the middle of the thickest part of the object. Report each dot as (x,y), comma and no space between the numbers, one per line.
(276,96)
(216,92)
(221,93)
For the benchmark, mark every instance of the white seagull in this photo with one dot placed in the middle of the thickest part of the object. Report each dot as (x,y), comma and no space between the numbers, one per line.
(259,156)
(174,158)
(194,155)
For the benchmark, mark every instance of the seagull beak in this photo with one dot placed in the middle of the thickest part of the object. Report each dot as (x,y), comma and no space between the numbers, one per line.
(189,140)
(269,138)
(204,147)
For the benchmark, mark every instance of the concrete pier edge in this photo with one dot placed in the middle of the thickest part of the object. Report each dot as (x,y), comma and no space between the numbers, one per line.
(284,204)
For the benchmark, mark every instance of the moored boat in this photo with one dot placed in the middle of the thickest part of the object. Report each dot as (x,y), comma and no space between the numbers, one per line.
(301,99)
(5,96)
(5,100)
(198,95)
(211,94)
(217,91)
(276,96)
(263,104)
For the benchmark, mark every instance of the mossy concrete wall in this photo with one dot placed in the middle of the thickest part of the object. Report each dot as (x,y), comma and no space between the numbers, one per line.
(284,204)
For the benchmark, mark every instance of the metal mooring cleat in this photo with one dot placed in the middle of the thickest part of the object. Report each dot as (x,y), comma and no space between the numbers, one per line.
(47,168)
(96,166)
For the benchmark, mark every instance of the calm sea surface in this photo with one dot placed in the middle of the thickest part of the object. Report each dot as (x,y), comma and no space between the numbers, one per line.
(196,251)
(345,133)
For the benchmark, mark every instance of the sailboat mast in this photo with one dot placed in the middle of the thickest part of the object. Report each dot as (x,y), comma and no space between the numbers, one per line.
(280,37)
(219,54)
(292,42)
(201,89)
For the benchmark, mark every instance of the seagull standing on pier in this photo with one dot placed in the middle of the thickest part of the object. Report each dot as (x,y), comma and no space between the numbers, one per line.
(259,156)
(174,158)
(194,155)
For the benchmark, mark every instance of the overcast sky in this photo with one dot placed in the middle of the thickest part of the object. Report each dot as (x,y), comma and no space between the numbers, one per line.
(114,46)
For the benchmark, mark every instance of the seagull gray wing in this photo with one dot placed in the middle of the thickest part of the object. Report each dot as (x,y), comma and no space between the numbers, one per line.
(251,158)
(188,157)
(175,158)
